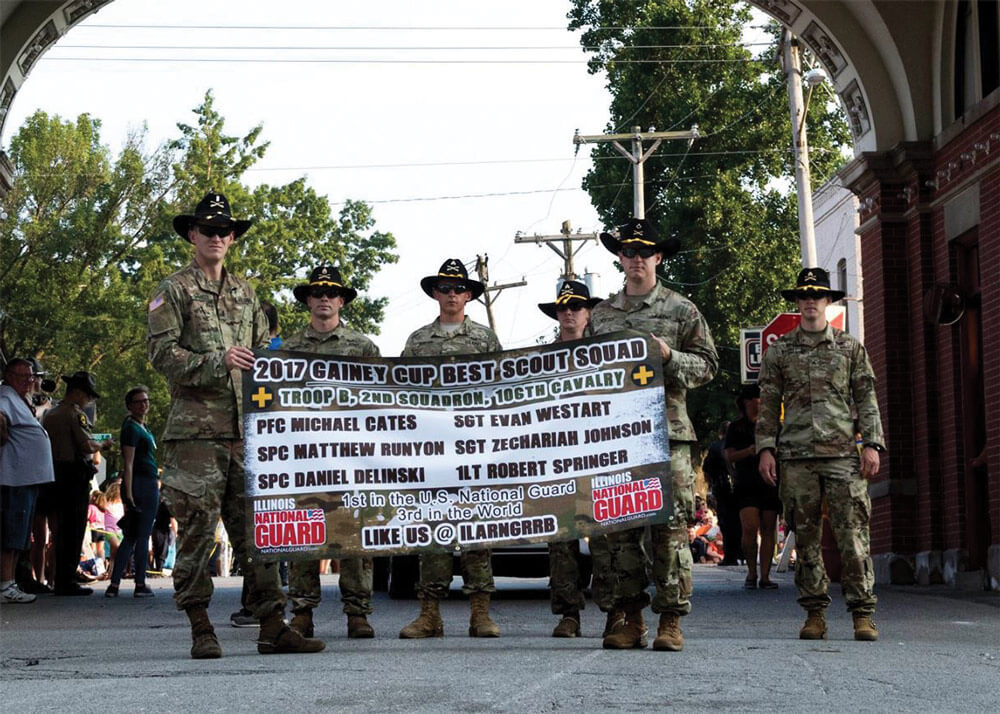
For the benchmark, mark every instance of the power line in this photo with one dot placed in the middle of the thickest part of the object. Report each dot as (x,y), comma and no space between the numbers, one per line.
(354,167)
(398,28)
(290,60)
(495,194)
(357,167)
(404,48)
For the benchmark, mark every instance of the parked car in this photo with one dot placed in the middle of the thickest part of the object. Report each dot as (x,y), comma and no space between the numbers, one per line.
(398,574)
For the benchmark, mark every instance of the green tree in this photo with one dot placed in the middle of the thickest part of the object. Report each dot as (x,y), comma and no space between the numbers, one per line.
(294,228)
(71,229)
(86,236)
(674,63)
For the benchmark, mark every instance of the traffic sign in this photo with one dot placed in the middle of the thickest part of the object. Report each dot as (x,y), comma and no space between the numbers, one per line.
(750,353)
(785,322)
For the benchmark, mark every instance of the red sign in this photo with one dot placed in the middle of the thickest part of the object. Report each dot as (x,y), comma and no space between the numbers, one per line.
(785,322)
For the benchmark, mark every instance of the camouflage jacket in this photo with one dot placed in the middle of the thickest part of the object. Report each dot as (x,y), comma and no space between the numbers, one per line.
(341,341)
(823,378)
(675,319)
(431,340)
(192,323)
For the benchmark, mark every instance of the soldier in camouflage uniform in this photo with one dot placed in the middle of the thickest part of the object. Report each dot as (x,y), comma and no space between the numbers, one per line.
(572,309)
(689,360)
(452,333)
(823,375)
(325,294)
(203,322)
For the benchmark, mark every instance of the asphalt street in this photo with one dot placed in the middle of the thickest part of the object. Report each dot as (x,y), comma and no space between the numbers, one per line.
(939,652)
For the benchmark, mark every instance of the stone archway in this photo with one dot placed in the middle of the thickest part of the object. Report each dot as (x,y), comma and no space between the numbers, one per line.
(874,51)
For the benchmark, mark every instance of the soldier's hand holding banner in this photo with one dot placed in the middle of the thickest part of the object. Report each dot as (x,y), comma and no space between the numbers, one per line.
(348,455)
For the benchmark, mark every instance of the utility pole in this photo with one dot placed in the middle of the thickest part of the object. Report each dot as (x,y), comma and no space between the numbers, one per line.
(637,156)
(800,147)
(566,237)
(482,269)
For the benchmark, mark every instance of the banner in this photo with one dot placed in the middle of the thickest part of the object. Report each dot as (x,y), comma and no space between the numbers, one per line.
(348,455)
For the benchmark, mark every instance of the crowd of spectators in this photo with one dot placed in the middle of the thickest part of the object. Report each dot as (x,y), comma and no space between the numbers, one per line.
(53,506)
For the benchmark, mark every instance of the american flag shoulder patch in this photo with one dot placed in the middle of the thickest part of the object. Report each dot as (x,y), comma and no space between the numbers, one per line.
(156,303)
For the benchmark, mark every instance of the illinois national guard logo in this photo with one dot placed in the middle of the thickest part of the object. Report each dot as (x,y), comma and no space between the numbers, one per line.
(627,500)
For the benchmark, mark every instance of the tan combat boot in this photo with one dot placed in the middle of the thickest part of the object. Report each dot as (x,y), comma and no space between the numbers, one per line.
(569,626)
(814,627)
(427,624)
(480,624)
(615,618)
(278,638)
(204,643)
(358,628)
(302,622)
(864,627)
(669,637)
(629,634)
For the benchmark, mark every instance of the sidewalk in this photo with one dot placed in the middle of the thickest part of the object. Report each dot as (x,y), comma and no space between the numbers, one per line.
(939,652)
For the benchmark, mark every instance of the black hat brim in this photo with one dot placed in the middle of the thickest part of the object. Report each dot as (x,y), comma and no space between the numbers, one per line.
(549,308)
(666,247)
(834,295)
(82,386)
(301,292)
(427,285)
(184,222)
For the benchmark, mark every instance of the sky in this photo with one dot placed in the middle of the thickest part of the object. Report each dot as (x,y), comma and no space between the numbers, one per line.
(456,147)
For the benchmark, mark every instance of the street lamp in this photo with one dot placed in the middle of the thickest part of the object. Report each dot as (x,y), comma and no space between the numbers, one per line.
(800,145)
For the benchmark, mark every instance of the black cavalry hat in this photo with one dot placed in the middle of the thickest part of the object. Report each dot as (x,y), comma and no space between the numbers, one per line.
(454,271)
(213,210)
(640,233)
(83,381)
(813,282)
(325,276)
(571,291)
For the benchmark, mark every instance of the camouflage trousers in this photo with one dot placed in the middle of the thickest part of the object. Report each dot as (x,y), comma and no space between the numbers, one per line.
(355,585)
(435,574)
(564,575)
(804,483)
(671,554)
(203,480)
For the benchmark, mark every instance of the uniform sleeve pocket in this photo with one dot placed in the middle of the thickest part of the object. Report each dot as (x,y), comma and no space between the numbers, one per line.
(162,317)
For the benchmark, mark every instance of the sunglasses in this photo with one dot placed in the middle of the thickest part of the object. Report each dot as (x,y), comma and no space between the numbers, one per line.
(324,292)
(448,288)
(210,231)
(572,307)
(641,252)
